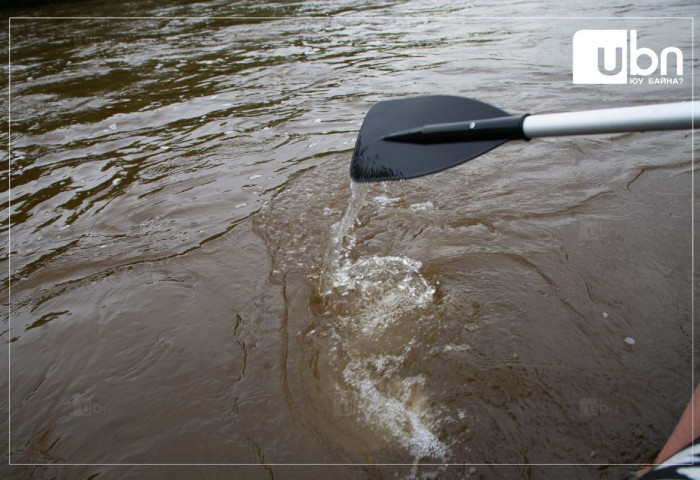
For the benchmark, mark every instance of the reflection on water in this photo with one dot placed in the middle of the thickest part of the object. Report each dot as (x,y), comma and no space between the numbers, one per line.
(195,280)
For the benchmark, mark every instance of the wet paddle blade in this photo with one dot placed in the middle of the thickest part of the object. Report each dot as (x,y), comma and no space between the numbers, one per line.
(376,159)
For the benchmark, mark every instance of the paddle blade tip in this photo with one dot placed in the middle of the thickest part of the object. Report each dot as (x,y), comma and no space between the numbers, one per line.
(364,171)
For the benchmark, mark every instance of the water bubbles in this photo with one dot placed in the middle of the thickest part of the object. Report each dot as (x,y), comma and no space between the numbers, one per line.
(378,298)
(421,207)
(383,286)
(383,200)
(402,409)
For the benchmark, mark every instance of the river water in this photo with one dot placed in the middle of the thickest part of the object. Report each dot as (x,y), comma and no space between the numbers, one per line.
(195,283)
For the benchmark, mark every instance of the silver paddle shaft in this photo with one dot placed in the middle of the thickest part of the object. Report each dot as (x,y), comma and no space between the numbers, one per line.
(663,116)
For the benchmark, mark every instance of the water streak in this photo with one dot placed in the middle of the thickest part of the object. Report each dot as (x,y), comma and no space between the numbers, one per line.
(337,250)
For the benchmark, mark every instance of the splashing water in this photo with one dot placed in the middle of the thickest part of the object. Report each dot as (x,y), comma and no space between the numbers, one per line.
(336,251)
(398,404)
(382,287)
(376,295)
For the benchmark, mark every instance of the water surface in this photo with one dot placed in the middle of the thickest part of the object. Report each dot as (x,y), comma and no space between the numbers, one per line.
(194,279)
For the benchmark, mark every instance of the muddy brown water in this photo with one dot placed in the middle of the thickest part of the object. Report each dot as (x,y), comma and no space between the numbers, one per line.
(194,282)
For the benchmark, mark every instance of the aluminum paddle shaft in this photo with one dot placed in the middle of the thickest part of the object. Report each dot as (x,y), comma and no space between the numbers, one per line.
(663,116)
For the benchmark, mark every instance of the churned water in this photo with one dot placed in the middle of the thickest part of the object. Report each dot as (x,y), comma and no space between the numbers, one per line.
(375,295)
(194,282)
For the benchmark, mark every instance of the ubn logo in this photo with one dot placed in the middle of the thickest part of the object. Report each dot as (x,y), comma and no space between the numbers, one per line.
(601,56)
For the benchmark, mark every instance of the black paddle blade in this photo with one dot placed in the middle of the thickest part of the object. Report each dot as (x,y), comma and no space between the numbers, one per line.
(375,159)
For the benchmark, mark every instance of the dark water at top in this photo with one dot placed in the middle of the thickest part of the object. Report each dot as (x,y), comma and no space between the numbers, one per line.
(194,280)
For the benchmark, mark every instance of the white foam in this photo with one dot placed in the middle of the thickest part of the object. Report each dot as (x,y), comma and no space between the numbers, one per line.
(377,289)
(372,293)
(456,348)
(417,207)
(403,413)
(383,200)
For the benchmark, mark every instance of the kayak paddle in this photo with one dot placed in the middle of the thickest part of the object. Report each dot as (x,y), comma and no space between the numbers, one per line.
(416,136)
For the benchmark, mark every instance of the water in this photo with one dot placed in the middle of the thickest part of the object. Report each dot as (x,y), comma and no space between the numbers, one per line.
(195,280)
(335,261)
(375,297)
